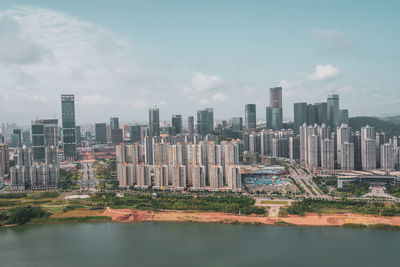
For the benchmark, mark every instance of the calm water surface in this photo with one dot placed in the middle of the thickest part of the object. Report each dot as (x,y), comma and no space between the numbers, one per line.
(195,244)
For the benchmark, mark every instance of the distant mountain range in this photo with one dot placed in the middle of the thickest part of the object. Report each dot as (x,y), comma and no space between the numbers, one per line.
(388,125)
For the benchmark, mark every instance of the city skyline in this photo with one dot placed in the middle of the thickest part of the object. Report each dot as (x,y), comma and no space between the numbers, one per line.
(115,70)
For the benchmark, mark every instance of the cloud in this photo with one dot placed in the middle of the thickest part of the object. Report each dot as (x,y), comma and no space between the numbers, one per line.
(336,41)
(14,48)
(202,82)
(325,72)
(219,97)
(44,53)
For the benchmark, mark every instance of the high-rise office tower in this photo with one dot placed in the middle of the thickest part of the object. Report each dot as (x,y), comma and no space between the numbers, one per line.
(176,124)
(333,110)
(275,103)
(300,115)
(205,121)
(237,127)
(78,134)
(250,116)
(16,138)
(26,138)
(268,117)
(68,126)
(343,116)
(101,133)
(135,133)
(210,119)
(115,131)
(190,125)
(322,113)
(154,121)
(311,114)
(114,123)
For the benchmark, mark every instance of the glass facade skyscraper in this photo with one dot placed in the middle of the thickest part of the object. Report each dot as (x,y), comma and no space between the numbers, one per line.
(154,121)
(176,124)
(101,133)
(275,103)
(68,126)
(250,116)
(333,110)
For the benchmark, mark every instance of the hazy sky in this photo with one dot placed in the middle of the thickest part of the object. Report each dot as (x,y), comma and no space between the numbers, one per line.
(122,57)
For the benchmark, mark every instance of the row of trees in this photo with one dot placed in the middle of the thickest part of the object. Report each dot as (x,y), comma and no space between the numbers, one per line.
(165,201)
(357,206)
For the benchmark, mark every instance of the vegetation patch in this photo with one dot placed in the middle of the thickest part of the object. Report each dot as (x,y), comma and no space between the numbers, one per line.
(283,223)
(355,206)
(354,225)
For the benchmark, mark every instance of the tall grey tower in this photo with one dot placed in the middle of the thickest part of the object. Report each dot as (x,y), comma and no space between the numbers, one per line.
(275,103)
(250,116)
(154,121)
(68,126)
(333,110)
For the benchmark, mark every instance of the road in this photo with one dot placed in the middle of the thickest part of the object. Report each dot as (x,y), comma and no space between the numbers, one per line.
(88,180)
(304,179)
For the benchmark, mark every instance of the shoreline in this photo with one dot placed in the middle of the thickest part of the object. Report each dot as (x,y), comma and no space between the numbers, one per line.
(345,220)
(311,219)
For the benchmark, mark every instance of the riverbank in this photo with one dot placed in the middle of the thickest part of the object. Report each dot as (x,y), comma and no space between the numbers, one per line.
(311,219)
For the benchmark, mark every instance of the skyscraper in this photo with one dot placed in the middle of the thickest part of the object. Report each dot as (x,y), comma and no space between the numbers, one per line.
(333,110)
(343,135)
(154,121)
(205,121)
(322,113)
(250,116)
(68,126)
(135,133)
(114,123)
(190,125)
(176,124)
(311,114)
(343,116)
(101,133)
(368,149)
(4,160)
(300,115)
(44,133)
(275,103)
(268,117)
(115,131)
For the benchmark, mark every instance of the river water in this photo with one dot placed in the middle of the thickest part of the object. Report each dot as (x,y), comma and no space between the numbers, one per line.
(195,244)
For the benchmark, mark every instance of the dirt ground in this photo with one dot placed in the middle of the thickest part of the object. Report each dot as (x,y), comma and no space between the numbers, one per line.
(127,215)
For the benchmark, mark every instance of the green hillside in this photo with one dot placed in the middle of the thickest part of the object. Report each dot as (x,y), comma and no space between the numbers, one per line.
(387,127)
(392,119)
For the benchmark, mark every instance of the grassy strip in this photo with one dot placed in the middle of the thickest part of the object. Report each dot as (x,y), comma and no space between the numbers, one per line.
(273,202)
(300,188)
(309,187)
(373,226)
(282,223)
(71,219)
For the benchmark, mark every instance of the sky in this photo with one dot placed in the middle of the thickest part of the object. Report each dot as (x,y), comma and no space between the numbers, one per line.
(121,58)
